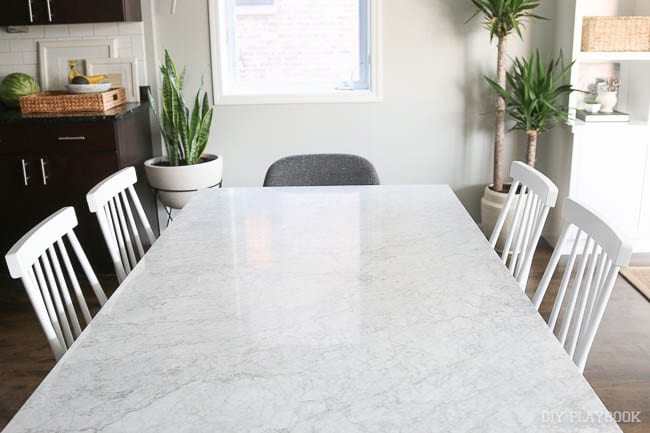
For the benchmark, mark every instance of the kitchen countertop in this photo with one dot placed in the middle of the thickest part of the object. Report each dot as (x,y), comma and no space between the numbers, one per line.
(377,309)
(8,117)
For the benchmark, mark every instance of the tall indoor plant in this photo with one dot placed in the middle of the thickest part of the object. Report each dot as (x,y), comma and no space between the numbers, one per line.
(186,167)
(535,97)
(502,18)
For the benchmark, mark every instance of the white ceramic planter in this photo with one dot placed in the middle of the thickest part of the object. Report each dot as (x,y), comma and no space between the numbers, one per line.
(177,185)
(608,101)
(491,206)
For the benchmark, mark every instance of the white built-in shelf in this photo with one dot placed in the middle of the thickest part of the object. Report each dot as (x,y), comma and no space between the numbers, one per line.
(623,56)
(582,126)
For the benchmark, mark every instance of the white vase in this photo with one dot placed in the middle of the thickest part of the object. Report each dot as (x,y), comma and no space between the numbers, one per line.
(608,101)
(491,206)
(176,185)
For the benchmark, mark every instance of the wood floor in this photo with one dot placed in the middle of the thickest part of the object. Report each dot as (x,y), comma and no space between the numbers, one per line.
(618,367)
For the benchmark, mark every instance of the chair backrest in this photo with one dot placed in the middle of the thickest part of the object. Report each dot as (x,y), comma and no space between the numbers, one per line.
(109,200)
(36,259)
(536,195)
(327,169)
(603,253)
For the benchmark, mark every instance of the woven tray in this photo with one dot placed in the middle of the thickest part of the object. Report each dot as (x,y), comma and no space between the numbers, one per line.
(616,34)
(58,102)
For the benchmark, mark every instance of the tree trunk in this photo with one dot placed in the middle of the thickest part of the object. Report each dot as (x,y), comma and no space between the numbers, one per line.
(532,147)
(500,133)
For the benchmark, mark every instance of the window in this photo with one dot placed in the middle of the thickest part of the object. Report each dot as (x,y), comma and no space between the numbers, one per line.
(276,51)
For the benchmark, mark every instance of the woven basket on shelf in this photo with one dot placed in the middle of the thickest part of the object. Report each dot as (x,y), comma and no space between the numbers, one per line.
(59,101)
(616,34)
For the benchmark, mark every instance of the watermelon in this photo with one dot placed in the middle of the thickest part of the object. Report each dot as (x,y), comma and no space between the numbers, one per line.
(16,85)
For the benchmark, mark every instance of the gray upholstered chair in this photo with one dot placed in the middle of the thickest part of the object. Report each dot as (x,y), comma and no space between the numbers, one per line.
(325,169)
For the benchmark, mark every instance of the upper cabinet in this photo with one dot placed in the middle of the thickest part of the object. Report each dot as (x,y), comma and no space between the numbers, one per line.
(26,12)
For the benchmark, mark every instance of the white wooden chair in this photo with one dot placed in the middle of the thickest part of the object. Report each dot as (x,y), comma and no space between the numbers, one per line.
(109,200)
(537,195)
(36,259)
(603,254)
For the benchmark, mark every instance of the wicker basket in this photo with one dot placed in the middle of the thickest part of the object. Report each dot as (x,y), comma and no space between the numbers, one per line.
(616,34)
(57,102)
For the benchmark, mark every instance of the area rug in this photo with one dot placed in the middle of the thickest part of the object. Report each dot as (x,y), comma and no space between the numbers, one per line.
(639,277)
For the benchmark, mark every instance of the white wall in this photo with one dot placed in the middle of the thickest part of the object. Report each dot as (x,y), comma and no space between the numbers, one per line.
(430,128)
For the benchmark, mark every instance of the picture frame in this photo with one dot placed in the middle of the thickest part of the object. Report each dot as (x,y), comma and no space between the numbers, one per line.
(54,56)
(121,72)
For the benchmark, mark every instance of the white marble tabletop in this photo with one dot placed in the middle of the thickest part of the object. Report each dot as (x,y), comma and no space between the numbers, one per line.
(328,310)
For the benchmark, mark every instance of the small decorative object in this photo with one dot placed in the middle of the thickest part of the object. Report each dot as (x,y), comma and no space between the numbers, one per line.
(56,56)
(608,95)
(119,72)
(16,85)
(186,168)
(592,107)
(616,116)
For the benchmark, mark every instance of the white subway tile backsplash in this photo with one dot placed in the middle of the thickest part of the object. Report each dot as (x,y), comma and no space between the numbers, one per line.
(11,58)
(26,69)
(22,45)
(33,32)
(30,57)
(131,28)
(77,30)
(124,42)
(106,29)
(18,51)
(56,31)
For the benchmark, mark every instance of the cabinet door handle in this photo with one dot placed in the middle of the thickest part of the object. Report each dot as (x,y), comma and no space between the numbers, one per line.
(80,138)
(25,175)
(49,10)
(43,164)
(31,13)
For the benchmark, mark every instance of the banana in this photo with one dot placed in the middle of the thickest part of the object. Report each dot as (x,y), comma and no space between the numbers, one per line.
(77,78)
(94,79)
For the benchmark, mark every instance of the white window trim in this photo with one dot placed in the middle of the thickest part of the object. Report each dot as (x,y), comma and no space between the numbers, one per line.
(374,94)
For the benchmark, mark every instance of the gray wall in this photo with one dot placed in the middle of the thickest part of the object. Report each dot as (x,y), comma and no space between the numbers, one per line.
(433,125)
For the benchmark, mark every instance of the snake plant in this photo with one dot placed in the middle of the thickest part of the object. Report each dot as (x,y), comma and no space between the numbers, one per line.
(184,131)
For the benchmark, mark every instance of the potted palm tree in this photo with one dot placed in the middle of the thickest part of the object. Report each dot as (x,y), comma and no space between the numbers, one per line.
(501,18)
(186,167)
(535,97)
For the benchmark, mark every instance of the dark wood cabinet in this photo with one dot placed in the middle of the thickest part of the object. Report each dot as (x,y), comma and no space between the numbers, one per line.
(47,165)
(16,12)
(25,12)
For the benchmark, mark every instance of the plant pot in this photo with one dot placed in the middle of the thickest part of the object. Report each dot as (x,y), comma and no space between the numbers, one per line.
(608,101)
(592,108)
(491,207)
(176,185)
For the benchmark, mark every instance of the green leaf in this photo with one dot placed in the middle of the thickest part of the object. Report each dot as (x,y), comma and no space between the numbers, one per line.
(203,135)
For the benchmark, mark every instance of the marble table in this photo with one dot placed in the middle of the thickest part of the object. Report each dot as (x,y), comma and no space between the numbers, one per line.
(329,310)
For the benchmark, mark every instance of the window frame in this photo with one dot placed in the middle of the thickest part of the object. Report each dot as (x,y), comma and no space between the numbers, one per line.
(357,92)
